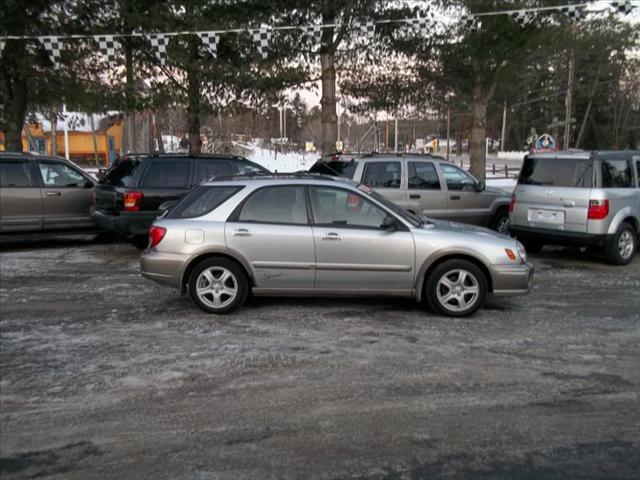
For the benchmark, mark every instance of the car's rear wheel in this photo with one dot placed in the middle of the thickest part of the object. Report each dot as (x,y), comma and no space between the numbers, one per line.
(456,288)
(501,222)
(218,285)
(624,245)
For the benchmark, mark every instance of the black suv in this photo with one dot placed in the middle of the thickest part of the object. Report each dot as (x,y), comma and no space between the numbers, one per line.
(128,197)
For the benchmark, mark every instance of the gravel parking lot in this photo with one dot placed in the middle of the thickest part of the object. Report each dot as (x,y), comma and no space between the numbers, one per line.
(107,375)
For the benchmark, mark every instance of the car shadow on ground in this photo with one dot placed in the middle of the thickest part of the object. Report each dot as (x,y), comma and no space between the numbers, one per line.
(35,242)
(573,257)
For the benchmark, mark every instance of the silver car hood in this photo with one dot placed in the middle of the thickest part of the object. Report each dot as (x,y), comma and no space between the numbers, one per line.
(446,226)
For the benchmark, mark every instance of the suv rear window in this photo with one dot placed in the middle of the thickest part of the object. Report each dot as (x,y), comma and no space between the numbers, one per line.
(167,174)
(201,201)
(557,172)
(617,174)
(121,174)
(340,169)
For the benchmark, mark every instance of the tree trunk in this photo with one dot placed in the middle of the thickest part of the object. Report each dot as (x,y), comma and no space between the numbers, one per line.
(328,116)
(14,94)
(193,96)
(130,92)
(458,134)
(477,143)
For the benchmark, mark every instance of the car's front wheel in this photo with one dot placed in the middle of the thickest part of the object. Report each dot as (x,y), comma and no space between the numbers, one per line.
(218,285)
(456,288)
(624,245)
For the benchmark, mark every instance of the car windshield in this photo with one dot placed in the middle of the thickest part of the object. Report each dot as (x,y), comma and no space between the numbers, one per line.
(408,217)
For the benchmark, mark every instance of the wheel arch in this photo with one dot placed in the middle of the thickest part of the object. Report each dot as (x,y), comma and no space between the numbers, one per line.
(430,264)
(214,254)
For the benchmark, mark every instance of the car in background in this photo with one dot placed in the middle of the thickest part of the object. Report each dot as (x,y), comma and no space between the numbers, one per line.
(424,185)
(43,194)
(129,195)
(305,234)
(579,198)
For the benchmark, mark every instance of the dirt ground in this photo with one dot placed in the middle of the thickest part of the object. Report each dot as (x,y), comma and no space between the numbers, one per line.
(107,375)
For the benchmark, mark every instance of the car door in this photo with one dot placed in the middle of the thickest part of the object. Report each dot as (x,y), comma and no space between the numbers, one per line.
(465,203)
(20,197)
(385,177)
(270,229)
(425,195)
(66,195)
(353,250)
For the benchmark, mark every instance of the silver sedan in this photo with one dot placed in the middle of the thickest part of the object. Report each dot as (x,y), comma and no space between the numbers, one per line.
(312,235)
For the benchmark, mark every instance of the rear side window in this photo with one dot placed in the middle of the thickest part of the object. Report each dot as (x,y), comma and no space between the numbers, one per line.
(557,172)
(616,174)
(340,169)
(245,166)
(202,200)
(207,169)
(285,205)
(16,173)
(423,176)
(167,174)
(382,174)
(121,174)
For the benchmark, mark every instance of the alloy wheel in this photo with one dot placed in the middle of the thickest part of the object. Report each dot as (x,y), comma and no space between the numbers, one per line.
(458,290)
(216,287)
(625,244)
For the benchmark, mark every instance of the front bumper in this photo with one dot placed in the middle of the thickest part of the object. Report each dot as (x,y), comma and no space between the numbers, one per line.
(163,268)
(512,279)
(127,224)
(559,237)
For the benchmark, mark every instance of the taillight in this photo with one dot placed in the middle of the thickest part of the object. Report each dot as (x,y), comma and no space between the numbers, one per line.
(156,234)
(598,209)
(132,201)
(512,203)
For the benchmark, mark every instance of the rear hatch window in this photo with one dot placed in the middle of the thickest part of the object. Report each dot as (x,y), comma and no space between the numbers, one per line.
(121,174)
(202,200)
(557,172)
(335,168)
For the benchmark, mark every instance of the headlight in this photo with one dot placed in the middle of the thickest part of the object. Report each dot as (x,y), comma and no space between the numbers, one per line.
(521,251)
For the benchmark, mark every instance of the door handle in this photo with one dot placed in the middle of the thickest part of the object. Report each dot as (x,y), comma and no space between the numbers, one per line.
(53,194)
(455,197)
(414,196)
(241,232)
(331,236)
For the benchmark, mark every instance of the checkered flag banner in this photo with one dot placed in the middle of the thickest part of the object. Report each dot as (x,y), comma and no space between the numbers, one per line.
(261,38)
(109,47)
(210,42)
(313,32)
(52,46)
(159,42)
(623,7)
(523,17)
(421,24)
(368,30)
(470,22)
(573,13)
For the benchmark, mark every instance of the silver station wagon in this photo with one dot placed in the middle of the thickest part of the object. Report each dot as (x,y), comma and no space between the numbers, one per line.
(312,235)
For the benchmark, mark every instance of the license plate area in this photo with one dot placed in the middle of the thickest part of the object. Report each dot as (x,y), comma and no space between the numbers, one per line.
(543,215)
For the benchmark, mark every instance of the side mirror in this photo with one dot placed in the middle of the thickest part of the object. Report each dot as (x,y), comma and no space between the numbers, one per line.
(481,186)
(165,207)
(389,223)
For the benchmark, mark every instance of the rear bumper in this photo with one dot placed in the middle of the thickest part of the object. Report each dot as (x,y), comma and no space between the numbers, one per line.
(512,279)
(127,224)
(163,268)
(556,237)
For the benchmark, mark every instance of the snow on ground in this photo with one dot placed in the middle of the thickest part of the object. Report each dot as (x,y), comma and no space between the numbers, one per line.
(277,161)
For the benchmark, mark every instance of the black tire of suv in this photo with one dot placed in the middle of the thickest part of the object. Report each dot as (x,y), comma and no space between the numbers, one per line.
(241,280)
(499,218)
(613,252)
(139,241)
(431,287)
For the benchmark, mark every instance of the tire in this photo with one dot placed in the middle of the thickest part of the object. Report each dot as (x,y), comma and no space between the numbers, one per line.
(446,279)
(532,247)
(139,241)
(216,277)
(500,222)
(624,245)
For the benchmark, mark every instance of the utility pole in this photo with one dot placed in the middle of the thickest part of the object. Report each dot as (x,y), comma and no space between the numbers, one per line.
(568,100)
(448,130)
(395,146)
(66,131)
(504,127)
